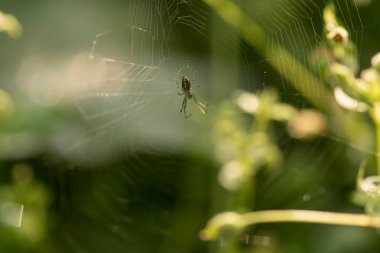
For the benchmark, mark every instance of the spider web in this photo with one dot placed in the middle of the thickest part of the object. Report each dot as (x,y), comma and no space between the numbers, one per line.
(132,102)
(296,26)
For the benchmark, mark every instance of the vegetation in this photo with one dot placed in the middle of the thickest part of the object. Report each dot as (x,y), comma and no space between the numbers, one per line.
(84,169)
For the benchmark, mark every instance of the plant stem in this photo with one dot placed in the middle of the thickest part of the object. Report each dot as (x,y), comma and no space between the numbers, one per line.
(245,196)
(377,133)
(240,221)
(375,116)
(307,216)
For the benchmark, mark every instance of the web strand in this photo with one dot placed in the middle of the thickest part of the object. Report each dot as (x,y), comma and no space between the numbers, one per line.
(138,61)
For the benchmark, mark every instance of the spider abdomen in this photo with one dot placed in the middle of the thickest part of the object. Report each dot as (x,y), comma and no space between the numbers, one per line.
(186,85)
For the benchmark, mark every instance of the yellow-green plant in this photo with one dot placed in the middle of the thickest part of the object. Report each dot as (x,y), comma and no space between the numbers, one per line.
(245,145)
(360,93)
(10,25)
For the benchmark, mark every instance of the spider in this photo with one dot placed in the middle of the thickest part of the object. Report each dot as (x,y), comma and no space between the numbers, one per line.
(186,91)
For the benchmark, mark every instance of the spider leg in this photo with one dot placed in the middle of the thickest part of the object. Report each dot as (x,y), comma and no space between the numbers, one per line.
(201,106)
(184,110)
(198,102)
(184,104)
(184,101)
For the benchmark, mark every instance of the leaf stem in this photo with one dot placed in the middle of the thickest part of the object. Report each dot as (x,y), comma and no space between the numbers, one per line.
(375,115)
(307,216)
(377,133)
(240,221)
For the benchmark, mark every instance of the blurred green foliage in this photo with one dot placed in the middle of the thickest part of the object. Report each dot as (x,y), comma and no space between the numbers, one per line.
(158,200)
